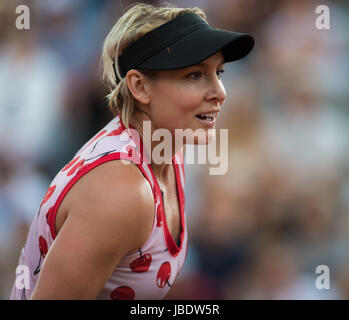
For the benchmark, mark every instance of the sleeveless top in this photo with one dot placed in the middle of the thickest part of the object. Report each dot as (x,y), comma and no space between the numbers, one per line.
(146,273)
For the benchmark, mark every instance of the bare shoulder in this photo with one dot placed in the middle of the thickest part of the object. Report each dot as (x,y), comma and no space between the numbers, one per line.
(110,212)
(114,196)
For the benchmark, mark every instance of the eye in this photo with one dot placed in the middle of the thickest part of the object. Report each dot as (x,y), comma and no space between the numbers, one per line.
(219,73)
(195,75)
(198,74)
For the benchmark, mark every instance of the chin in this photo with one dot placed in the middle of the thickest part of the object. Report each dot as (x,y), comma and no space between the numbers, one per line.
(205,138)
(208,138)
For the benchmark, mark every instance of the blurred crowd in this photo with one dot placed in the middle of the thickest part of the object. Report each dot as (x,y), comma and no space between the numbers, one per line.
(282,209)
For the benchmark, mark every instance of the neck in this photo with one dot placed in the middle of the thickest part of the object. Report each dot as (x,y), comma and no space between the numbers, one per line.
(161,170)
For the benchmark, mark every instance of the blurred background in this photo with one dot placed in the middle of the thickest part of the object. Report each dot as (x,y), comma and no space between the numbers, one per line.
(282,209)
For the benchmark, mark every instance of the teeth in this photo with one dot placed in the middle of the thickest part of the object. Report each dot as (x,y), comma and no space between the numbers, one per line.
(206,116)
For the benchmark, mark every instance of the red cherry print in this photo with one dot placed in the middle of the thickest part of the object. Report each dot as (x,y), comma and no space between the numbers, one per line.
(43,246)
(123,293)
(130,151)
(77,166)
(48,194)
(110,134)
(142,263)
(98,135)
(48,214)
(70,164)
(134,154)
(43,251)
(115,132)
(163,275)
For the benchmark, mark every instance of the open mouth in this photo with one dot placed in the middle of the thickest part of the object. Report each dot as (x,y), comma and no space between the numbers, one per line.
(206,116)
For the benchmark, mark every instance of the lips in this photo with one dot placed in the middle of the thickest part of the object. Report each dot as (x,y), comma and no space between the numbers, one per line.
(209,115)
(206,116)
(208,119)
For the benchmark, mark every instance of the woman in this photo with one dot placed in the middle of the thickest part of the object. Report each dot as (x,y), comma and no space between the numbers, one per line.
(108,230)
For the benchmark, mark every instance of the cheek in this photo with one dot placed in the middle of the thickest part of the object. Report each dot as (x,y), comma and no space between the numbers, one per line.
(189,102)
(184,101)
(176,108)
(187,105)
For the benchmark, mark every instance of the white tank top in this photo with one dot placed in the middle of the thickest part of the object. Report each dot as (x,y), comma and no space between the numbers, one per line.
(146,273)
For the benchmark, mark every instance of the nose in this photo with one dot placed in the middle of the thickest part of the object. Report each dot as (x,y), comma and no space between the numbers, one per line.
(216,91)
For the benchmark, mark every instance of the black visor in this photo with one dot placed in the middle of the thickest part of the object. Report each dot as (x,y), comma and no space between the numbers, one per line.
(182,42)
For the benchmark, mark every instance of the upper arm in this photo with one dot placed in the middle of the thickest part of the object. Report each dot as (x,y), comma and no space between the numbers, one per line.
(110,213)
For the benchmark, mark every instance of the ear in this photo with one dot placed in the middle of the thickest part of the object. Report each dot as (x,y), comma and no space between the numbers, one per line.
(139,86)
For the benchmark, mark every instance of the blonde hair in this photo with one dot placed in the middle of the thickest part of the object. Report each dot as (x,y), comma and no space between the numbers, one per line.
(137,20)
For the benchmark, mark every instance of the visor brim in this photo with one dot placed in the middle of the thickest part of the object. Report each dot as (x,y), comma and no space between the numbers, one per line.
(198,46)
